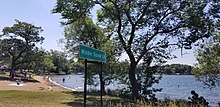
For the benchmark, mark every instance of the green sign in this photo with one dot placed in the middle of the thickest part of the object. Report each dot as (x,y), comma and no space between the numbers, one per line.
(91,54)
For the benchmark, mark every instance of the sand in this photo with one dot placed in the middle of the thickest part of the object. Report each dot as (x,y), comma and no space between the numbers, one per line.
(43,85)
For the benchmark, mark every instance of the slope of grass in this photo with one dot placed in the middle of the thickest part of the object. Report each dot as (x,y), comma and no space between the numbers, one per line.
(12,98)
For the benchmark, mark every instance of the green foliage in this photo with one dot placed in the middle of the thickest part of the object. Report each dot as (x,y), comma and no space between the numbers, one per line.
(59,59)
(85,32)
(48,63)
(79,8)
(175,69)
(51,62)
(146,79)
(33,59)
(43,63)
(18,43)
(113,71)
(116,71)
(208,56)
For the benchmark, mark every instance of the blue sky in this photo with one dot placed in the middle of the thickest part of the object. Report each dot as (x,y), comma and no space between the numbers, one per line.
(38,12)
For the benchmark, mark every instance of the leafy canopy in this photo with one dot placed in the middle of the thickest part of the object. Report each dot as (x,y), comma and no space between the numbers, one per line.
(18,42)
(147,30)
(143,26)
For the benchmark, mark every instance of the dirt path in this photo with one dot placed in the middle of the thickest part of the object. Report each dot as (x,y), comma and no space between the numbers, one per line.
(42,85)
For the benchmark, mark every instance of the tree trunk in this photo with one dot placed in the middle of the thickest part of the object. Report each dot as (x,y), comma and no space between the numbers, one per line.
(133,80)
(12,71)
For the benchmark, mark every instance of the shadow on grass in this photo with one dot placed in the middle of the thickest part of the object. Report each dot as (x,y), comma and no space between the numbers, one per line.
(93,100)
(5,77)
(29,80)
(79,100)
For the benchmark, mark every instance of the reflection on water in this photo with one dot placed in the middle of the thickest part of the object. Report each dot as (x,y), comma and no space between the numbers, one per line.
(174,86)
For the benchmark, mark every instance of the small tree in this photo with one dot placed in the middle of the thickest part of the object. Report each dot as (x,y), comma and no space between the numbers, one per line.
(207,69)
(86,32)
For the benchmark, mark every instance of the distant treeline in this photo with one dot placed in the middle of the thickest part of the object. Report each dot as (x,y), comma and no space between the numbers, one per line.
(171,69)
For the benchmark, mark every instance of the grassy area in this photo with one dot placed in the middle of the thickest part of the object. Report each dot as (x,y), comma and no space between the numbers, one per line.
(12,98)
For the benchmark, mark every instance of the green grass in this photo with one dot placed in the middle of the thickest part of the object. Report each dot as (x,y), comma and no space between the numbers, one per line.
(12,98)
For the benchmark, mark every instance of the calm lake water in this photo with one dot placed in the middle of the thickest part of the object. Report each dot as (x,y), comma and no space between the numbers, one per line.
(174,87)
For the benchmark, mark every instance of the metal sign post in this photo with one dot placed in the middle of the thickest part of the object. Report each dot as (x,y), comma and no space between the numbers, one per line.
(85,83)
(98,57)
(101,84)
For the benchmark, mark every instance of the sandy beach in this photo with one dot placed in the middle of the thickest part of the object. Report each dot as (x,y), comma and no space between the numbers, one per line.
(43,85)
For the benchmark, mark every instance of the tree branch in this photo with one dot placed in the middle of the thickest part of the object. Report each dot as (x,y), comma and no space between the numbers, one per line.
(132,35)
(144,12)
(103,6)
(145,50)
(127,48)
(173,29)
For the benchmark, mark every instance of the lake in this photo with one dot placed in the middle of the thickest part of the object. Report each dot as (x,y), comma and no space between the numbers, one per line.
(174,87)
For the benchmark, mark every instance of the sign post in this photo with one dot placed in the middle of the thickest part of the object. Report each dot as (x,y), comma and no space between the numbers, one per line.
(101,83)
(93,56)
(85,82)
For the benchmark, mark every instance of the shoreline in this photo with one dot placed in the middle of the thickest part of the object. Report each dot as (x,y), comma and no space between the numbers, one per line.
(50,80)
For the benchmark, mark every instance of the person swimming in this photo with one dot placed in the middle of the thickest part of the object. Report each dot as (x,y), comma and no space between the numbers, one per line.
(63,79)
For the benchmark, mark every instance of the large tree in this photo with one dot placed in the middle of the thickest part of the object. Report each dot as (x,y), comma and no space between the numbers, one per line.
(146,27)
(18,42)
